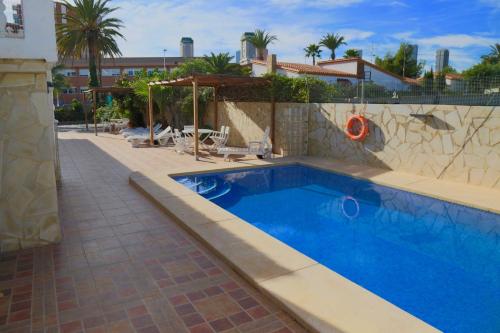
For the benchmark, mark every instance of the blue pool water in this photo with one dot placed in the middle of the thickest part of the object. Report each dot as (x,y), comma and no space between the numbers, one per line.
(438,261)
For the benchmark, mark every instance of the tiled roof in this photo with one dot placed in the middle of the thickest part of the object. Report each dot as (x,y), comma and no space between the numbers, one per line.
(454,76)
(307,69)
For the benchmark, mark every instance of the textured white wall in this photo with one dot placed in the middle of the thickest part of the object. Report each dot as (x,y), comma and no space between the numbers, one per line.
(39,40)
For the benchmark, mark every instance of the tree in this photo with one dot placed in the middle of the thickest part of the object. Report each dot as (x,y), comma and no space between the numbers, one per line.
(58,81)
(221,64)
(89,32)
(332,42)
(261,39)
(482,70)
(494,56)
(313,51)
(402,63)
(352,53)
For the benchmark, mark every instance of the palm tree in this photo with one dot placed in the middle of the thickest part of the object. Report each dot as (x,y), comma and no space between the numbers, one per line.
(313,51)
(261,39)
(332,42)
(352,53)
(220,63)
(58,81)
(494,56)
(89,32)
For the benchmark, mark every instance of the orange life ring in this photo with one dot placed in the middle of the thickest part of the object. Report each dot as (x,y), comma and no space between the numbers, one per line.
(361,131)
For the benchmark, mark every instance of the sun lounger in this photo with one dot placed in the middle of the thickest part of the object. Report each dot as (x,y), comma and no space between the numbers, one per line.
(163,137)
(262,149)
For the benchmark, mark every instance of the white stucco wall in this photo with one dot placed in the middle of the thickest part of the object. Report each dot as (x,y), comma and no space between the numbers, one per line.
(39,40)
(259,70)
(384,79)
(346,67)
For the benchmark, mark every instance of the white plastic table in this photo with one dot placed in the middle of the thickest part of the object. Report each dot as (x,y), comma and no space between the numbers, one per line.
(190,133)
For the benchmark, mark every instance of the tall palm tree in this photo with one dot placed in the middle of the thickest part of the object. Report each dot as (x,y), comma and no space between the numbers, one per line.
(261,39)
(89,32)
(58,81)
(332,42)
(313,51)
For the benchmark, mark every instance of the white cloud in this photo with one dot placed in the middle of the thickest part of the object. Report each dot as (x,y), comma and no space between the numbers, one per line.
(355,34)
(457,40)
(314,3)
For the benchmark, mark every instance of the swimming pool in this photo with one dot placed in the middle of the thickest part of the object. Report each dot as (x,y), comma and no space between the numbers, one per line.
(438,261)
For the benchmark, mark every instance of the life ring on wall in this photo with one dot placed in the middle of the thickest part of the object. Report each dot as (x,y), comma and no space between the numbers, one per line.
(357,128)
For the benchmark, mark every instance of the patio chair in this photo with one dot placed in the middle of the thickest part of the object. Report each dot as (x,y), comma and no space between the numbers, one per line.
(179,142)
(219,139)
(163,137)
(262,149)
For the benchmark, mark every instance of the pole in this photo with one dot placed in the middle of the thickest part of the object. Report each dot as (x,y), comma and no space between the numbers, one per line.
(150,117)
(85,112)
(216,110)
(164,60)
(195,116)
(94,105)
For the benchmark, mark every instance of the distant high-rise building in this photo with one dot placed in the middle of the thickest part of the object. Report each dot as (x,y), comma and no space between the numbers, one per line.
(187,47)
(248,51)
(442,59)
(414,52)
(237,57)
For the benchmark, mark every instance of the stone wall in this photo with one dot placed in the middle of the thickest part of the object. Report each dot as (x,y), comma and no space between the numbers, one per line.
(458,143)
(28,198)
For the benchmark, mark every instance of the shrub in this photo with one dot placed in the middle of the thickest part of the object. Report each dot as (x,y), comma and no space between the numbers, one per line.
(72,113)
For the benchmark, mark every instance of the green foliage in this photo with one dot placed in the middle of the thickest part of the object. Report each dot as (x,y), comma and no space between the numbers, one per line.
(352,53)
(300,90)
(261,39)
(332,42)
(72,113)
(482,70)
(401,63)
(89,31)
(493,57)
(107,112)
(221,64)
(195,66)
(313,51)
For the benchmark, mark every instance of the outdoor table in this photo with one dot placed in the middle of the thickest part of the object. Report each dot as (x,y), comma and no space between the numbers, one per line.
(190,133)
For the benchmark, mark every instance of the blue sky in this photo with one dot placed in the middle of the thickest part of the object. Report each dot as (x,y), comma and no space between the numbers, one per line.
(465,27)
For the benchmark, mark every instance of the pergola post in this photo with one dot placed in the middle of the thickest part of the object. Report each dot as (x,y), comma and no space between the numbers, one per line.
(195,116)
(216,110)
(150,117)
(85,113)
(273,122)
(94,107)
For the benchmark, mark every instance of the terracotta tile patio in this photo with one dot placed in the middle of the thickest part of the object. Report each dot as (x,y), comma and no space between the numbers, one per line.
(123,265)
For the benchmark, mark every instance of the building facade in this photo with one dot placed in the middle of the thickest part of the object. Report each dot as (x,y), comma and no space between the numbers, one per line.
(247,51)
(442,60)
(187,47)
(77,72)
(28,158)
(343,71)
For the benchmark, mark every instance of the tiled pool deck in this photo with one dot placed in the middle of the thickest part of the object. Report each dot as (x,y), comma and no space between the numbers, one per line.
(123,265)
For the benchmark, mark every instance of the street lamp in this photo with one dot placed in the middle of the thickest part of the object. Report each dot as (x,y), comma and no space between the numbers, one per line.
(164,60)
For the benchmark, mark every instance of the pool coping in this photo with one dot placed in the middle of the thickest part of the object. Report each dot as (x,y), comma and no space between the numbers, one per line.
(317,297)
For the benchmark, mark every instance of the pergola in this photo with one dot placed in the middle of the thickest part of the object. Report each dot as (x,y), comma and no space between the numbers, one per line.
(215,81)
(112,90)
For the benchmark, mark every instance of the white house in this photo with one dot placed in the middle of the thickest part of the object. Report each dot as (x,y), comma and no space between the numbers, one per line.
(350,70)
(28,197)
